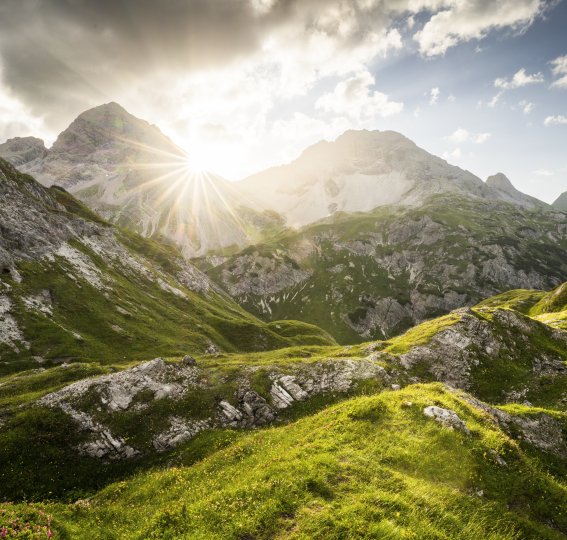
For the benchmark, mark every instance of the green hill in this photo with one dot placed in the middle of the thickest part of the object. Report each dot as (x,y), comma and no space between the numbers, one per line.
(351,453)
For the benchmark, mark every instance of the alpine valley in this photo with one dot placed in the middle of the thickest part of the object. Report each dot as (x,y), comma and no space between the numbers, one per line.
(367,342)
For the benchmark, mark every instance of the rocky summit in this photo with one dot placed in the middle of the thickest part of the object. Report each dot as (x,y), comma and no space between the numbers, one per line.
(129,172)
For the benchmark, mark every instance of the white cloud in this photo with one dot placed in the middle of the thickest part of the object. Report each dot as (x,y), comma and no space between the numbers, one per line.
(520,78)
(465,20)
(17,120)
(559,69)
(527,106)
(555,120)
(355,98)
(544,172)
(434,95)
(455,154)
(492,103)
(462,135)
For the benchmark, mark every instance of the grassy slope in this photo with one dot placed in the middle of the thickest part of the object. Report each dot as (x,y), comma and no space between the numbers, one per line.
(135,318)
(467,227)
(370,467)
(547,307)
(43,469)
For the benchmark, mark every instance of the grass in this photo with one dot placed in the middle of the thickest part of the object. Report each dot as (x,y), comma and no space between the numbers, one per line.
(369,467)
(421,334)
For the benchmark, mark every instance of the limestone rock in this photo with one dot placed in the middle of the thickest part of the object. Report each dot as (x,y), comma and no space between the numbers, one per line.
(446,417)
(180,431)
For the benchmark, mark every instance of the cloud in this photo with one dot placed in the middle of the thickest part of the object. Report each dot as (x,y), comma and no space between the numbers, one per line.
(527,106)
(544,172)
(16,119)
(555,120)
(462,135)
(520,78)
(492,103)
(355,98)
(454,154)
(559,69)
(464,20)
(118,45)
(434,96)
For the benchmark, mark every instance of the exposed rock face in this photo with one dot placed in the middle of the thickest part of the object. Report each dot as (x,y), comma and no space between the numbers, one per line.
(373,276)
(90,401)
(537,428)
(460,354)
(132,174)
(360,171)
(23,151)
(447,418)
(507,192)
(180,431)
(117,391)
(561,202)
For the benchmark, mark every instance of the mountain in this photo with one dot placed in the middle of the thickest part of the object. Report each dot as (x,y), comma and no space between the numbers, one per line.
(464,414)
(363,170)
(129,172)
(374,274)
(75,288)
(561,202)
(23,151)
(507,192)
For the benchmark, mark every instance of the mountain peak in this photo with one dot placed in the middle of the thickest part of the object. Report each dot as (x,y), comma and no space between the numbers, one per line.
(502,185)
(561,202)
(501,182)
(21,150)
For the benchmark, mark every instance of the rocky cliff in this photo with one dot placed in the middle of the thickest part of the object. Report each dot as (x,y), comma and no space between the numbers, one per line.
(363,276)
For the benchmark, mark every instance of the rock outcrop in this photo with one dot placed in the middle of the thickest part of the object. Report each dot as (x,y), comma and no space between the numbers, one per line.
(373,276)
(447,418)
(92,403)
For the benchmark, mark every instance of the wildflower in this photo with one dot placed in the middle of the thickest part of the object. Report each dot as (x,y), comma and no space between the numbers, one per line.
(49,533)
(3,532)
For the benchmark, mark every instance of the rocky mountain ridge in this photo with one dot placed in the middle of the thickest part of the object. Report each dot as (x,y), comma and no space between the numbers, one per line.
(364,276)
(74,287)
(130,173)
(363,170)
(561,202)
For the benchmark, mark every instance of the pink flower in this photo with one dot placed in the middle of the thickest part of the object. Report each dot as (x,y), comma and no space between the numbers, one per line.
(49,533)
(3,532)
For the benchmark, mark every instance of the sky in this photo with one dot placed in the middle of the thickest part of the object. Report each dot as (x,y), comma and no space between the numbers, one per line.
(242,85)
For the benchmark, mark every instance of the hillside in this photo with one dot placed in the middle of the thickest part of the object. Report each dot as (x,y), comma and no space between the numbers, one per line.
(75,288)
(403,456)
(372,275)
(561,202)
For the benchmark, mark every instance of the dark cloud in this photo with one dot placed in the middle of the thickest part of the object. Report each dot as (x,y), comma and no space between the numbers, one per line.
(60,53)
(61,56)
